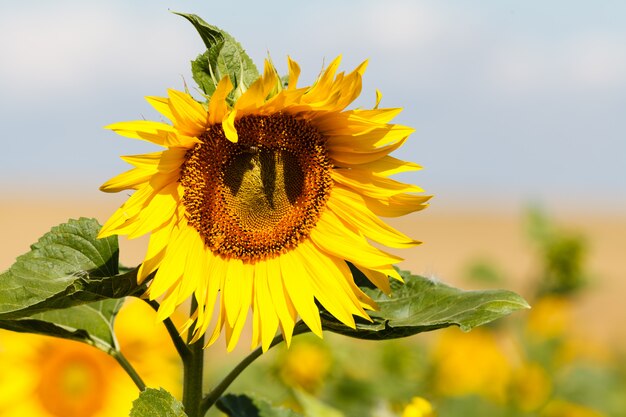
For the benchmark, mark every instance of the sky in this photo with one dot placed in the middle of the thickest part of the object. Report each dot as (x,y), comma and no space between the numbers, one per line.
(513,102)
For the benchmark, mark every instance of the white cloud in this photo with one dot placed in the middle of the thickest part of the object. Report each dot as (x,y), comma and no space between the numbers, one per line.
(597,61)
(54,48)
(590,63)
(404,24)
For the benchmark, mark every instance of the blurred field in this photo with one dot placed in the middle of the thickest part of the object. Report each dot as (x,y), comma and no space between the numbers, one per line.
(454,241)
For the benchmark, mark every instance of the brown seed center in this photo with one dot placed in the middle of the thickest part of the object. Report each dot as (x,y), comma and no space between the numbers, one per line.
(264,186)
(261,196)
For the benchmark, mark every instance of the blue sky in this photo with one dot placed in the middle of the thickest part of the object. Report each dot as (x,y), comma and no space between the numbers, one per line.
(513,101)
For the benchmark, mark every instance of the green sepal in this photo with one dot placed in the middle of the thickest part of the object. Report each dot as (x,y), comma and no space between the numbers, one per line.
(157,403)
(421,305)
(67,267)
(224,56)
(245,406)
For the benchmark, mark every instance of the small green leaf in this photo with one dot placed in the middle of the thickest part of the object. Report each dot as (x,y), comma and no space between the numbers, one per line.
(245,406)
(156,403)
(90,323)
(68,266)
(312,407)
(421,305)
(224,56)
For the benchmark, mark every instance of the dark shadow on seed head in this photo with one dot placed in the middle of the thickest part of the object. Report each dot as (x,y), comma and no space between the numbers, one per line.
(268,161)
(234,174)
(293,178)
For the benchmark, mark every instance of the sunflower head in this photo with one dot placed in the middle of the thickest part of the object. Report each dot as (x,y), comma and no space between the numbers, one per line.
(256,204)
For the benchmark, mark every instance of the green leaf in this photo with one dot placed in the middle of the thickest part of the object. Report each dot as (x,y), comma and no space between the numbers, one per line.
(421,305)
(313,407)
(90,323)
(68,266)
(224,56)
(156,403)
(245,406)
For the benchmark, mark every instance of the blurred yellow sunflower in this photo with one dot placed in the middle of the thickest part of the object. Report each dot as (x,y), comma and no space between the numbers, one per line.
(258,205)
(49,377)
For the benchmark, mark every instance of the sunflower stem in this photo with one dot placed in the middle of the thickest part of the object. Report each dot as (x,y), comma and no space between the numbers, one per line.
(180,345)
(193,365)
(216,393)
(121,359)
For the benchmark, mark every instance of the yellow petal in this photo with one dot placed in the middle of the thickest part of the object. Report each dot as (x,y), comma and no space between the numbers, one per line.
(194,273)
(351,208)
(386,166)
(228,124)
(372,185)
(164,161)
(294,73)
(266,312)
(280,298)
(298,287)
(370,141)
(219,325)
(127,212)
(361,156)
(159,239)
(154,132)
(212,285)
(394,206)
(129,180)
(379,97)
(218,107)
(330,285)
(158,133)
(319,91)
(233,289)
(145,161)
(246,288)
(377,278)
(190,117)
(158,211)
(252,99)
(332,236)
(173,265)
(162,105)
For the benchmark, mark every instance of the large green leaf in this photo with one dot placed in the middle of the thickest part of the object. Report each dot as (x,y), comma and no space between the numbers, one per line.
(421,305)
(156,403)
(245,406)
(224,56)
(90,323)
(67,267)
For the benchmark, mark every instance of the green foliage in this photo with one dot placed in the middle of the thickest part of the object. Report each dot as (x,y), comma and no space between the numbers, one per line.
(90,323)
(562,254)
(421,304)
(67,286)
(68,266)
(156,403)
(313,407)
(245,406)
(224,57)
(484,272)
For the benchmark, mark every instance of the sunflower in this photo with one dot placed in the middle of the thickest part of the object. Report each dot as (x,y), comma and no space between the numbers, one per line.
(259,204)
(52,377)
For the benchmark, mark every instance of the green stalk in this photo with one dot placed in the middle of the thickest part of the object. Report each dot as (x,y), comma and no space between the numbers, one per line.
(121,359)
(179,343)
(216,393)
(193,365)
